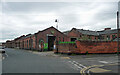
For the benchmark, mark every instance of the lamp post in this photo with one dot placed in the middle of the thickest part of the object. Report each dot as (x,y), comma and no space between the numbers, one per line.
(56,35)
(117,32)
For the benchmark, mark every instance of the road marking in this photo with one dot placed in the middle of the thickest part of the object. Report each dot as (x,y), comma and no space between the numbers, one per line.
(65,57)
(88,58)
(99,70)
(89,67)
(103,62)
(78,65)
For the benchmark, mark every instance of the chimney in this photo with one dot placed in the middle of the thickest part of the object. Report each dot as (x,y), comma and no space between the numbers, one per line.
(107,29)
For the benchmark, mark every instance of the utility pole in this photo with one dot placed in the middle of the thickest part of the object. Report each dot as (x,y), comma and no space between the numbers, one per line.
(118,32)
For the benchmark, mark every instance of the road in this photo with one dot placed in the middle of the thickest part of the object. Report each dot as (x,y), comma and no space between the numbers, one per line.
(21,61)
(24,61)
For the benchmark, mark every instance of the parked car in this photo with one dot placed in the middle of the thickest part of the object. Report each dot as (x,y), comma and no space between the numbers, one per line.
(2,49)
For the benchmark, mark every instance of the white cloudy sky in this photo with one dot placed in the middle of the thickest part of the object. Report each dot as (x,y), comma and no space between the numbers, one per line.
(18,18)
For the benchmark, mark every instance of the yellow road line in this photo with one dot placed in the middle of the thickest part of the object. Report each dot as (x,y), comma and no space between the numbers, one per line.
(84,69)
(65,57)
(98,70)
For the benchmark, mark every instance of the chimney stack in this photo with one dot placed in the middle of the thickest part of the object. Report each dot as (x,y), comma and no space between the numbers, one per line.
(107,29)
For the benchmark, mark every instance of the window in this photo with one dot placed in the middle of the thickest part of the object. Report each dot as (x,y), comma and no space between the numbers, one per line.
(59,39)
(63,39)
(89,37)
(95,38)
(31,42)
(80,36)
(73,39)
(108,37)
(27,43)
(113,37)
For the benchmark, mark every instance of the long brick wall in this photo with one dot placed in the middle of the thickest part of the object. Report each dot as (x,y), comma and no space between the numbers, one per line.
(89,47)
(67,48)
(97,46)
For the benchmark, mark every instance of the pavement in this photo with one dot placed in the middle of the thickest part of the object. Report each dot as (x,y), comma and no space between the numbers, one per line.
(25,61)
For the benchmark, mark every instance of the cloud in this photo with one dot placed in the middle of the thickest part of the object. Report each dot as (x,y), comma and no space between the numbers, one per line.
(60,0)
(29,17)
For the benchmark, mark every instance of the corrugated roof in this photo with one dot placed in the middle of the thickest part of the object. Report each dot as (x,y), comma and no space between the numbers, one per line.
(88,32)
(66,32)
(96,33)
(107,32)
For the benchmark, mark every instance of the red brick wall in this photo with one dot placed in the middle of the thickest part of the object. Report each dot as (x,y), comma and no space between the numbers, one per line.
(73,33)
(88,46)
(96,47)
(26,45)
(34,43)
(67,48)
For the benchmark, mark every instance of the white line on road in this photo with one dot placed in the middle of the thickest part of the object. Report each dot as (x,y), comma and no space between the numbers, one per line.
(103,62)
(80,66)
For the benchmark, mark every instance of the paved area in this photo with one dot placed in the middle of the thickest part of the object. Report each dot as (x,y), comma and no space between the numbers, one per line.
(25,61)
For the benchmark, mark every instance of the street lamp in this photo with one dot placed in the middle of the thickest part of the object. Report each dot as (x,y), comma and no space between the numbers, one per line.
(56,35)
(118,32)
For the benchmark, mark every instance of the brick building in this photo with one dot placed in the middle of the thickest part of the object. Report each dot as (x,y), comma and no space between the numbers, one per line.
(49,36)
(16,42)
(79,34)
(8,44)
(28,42)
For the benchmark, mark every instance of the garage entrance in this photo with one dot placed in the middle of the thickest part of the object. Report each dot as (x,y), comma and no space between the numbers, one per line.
(51,40)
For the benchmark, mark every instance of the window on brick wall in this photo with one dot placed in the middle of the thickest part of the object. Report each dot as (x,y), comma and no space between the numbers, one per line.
(63,39)
(113,37)
(59,39)
(108,37)
(80,36)
(95,38)
(31,42)
(73,39)
(89,37)
(27,43)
